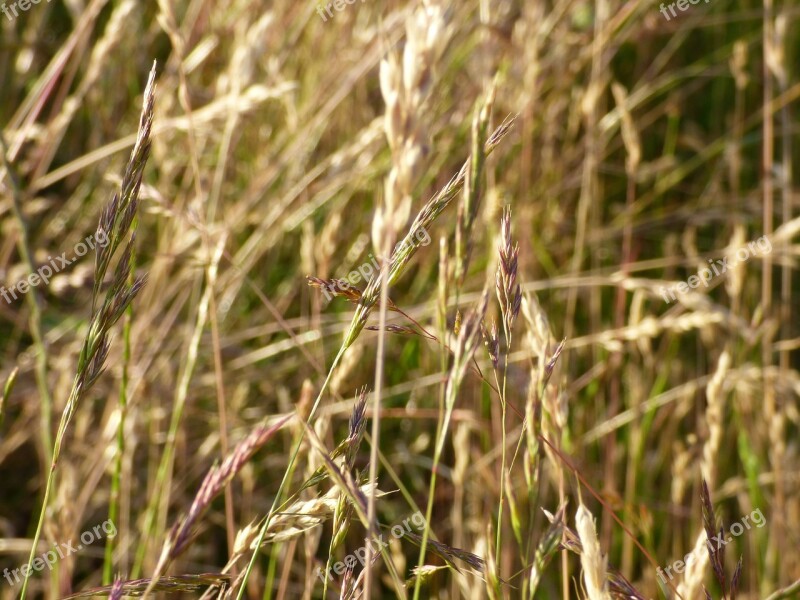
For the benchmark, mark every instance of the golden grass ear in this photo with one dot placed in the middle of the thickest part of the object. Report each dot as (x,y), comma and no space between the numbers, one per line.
(592,559)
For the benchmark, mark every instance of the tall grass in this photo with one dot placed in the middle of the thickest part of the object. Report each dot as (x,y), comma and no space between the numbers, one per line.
(512,184)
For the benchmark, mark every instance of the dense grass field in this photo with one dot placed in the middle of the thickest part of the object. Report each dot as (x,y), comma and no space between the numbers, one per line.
(375,299)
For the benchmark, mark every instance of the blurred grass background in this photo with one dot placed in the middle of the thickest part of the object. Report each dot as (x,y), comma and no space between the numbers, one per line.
(642,148)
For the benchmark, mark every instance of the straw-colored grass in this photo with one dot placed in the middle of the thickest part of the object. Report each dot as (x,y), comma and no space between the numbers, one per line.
(407,258)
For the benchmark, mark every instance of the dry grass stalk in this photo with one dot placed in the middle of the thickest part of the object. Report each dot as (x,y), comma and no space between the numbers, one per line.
(8,387)
(215,481)
(400,257)
(716,551)
(112,37)
(357,495)
(469,337)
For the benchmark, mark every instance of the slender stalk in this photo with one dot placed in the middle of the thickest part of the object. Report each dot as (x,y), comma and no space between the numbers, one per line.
(767,169)
(498,545)
(376,412)
(116,475)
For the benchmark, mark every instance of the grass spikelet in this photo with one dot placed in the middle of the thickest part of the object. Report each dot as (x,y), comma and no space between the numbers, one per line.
(592,560)
(508,290)
(348,447)
(450,554)
(397,329)
(715,554)
(545,551)
(710,524)
(168,585)
(492,343)
(245,538)
(715,395)
(336,288)
(696,570)
(423,573)
(300,516)
(344,510)
(735,579)
(538,332)
(349,587)
(117,590)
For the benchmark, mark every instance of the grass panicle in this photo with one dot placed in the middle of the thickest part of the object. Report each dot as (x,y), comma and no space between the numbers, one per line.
(217,478)
(114,226)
